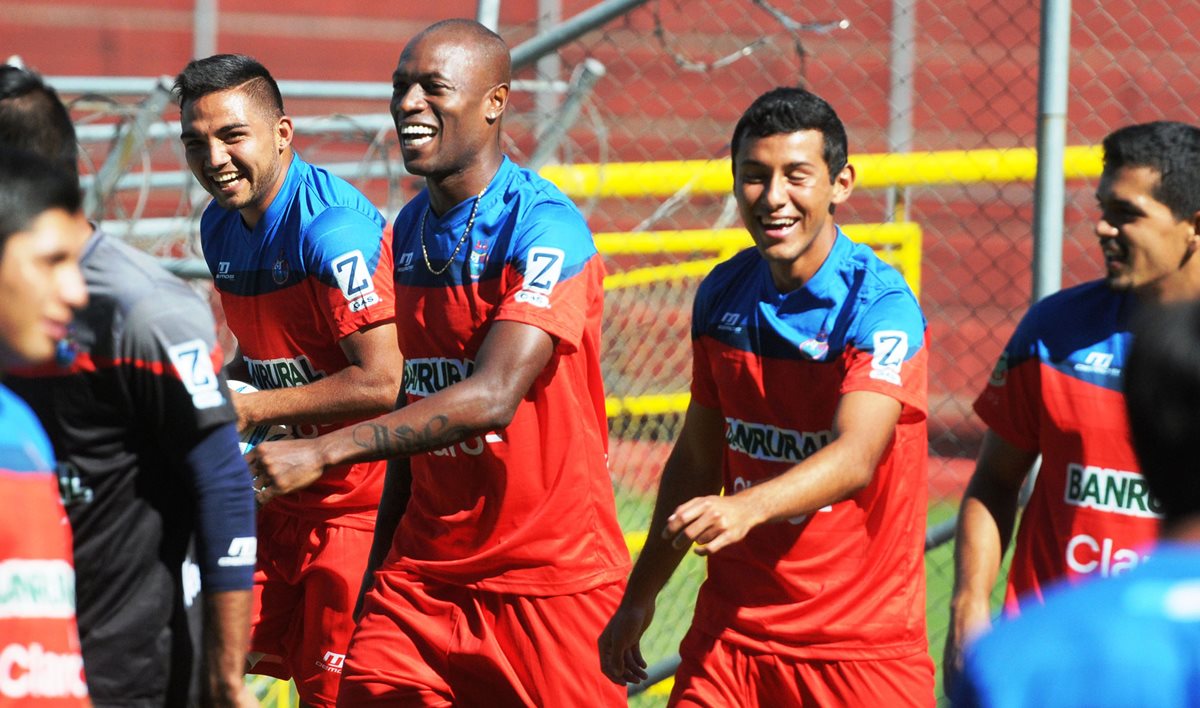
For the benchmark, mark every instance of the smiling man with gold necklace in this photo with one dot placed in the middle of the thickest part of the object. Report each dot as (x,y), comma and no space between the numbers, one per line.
(511,527)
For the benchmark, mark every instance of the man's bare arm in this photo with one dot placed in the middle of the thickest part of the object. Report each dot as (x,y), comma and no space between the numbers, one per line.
(693,470)
(397,490)
(985,527)
(863,427)
(226,640)
(511,358)
(366,387)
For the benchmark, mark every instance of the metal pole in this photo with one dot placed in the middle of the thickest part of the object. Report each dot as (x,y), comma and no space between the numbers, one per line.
(204,29)
(548,67)
(900,96)
(487,13)
(586,21)
(586,76)
(127,147)
(1053,71)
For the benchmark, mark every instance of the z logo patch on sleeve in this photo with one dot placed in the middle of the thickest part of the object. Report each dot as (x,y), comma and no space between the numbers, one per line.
(194,367)
(543,268)
(354,280)
(891,348)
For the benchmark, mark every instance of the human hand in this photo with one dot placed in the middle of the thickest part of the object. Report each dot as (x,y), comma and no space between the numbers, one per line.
(284,466)
(620,644)
(713,522)
(231,692)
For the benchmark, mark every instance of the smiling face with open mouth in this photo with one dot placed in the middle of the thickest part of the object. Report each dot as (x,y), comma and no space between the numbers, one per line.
(1141,240)
(784,195)
(448,93)
(237,151)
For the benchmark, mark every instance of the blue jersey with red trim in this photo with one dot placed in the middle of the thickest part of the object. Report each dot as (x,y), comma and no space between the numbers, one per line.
(527,508)
(39,643)
(847,581)
(314,269)
(1057,390)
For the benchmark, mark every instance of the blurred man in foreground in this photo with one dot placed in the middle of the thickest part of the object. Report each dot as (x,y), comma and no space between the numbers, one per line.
(140,419)
(41,235)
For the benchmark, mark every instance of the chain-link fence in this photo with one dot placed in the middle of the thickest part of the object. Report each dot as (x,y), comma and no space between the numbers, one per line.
(664,83)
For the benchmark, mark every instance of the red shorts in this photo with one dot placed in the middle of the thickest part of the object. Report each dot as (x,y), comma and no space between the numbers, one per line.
(421,642)
(305,586)
(714,672)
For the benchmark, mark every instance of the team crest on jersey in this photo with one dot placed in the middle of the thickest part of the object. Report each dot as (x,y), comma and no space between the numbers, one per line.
(478,260)
(817,347)
(1000,371)
(281,270)
(66,350)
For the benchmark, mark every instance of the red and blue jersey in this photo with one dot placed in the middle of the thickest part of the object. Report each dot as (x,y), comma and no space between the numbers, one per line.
(847,581)
(314,269)
(528,508)
(1056,390)
(40,660)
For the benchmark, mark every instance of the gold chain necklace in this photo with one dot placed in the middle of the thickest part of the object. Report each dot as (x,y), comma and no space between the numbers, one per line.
(461,240)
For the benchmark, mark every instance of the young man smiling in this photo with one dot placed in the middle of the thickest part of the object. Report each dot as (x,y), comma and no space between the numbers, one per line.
(303,272)
(1057,392)
(808,410)
(494,581)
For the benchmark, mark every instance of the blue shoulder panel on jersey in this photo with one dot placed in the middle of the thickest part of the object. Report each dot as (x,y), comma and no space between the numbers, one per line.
(522,221)
(1082,332)
(315,218)
(24,446)
(738,305)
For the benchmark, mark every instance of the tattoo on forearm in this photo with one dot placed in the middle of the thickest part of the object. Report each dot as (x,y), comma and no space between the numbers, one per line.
(406,440)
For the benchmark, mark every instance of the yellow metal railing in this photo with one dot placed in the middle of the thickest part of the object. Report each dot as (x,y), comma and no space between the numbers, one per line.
(874,170)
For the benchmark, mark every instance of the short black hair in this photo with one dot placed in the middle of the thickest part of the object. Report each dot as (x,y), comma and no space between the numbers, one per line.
(222,72)
(1162,398)
(33,118)
(789,109)
(1169,148)
(30,184)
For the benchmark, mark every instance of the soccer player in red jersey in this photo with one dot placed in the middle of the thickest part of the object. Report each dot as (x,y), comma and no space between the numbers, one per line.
(41,237)
(492,585)
(808,412)
(1057,392)
(304,276)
